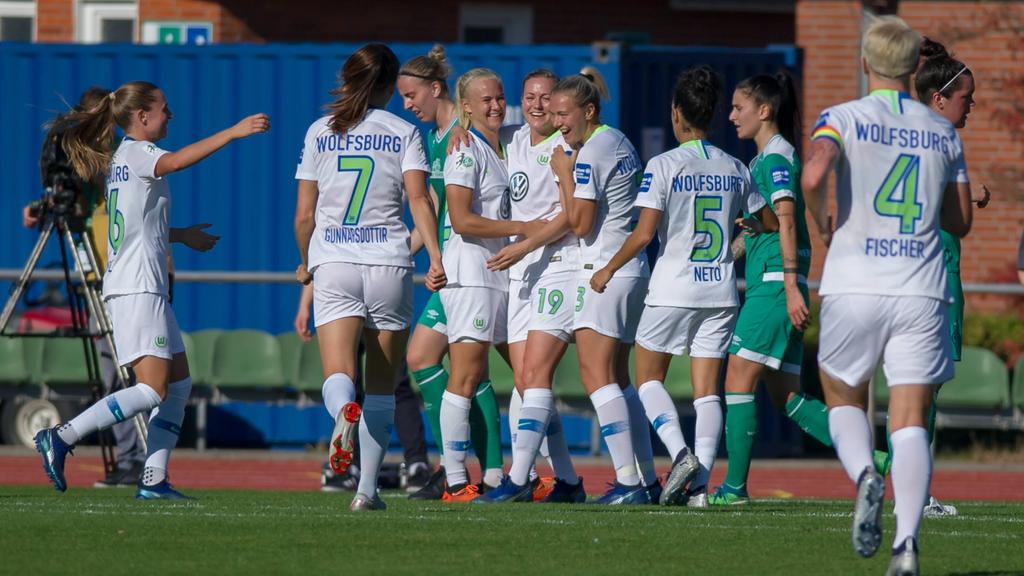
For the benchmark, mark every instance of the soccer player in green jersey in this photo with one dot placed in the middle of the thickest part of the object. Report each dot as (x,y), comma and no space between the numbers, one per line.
(422,83)
(768,341)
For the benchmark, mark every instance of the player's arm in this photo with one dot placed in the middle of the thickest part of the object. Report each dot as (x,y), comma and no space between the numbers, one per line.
(957,210)
(194,237)
(638,239)
(551,230)
(189,155)
(468,223)
(424,217)
(581,212)
(305,222)
(785,212)
(301,322)
(824,154)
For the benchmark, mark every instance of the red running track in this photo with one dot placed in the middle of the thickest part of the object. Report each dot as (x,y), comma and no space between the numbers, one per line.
(793,479)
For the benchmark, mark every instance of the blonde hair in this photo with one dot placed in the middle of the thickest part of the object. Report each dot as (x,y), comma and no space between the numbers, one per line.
(463,85)
(587,87)
(890,47)
(430,68)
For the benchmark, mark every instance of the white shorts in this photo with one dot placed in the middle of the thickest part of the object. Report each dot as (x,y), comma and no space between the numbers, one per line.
(701,332)
(908,333)
(476,313)
(552,304)
(144,325)
(615,312)
(381,295)
(519,302)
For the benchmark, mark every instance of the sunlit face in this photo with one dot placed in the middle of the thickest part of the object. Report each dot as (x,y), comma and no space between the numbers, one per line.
(152,121)
(420,97)
(958,105)
(485,103)
(537,104)
(571,120)
(746,115)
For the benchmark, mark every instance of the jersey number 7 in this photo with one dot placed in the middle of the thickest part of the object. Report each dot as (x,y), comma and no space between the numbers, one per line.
(363,167)
(903,177)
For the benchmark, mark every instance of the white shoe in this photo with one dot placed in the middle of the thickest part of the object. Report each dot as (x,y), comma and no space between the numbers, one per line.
(698,499)
(904,560)
(867,513)
(346,425)
(935,509)
(362,502)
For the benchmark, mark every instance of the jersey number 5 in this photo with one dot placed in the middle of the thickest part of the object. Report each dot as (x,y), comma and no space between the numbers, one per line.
(902,177)
(363,167)
(115,221)
(704,225)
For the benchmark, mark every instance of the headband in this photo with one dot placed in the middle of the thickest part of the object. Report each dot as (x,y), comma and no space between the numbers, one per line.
(421,76)
(953,79)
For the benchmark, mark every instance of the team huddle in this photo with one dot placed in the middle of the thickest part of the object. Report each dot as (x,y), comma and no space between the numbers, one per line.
(537,237)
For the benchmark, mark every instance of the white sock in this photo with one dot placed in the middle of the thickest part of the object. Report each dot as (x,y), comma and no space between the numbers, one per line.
(707,433)
(640,430)
(911,476)
(338,390)
(164,428)
(374,437)
(455,431)
(515,404)
(661,411)
(109,410)
(556,450)
(851,435)
(493,476)
(613,416)
(533,424)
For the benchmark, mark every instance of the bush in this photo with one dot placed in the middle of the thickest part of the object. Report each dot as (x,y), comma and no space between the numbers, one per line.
(1000,333)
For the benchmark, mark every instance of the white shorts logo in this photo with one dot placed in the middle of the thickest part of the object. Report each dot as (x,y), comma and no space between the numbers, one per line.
(480,323)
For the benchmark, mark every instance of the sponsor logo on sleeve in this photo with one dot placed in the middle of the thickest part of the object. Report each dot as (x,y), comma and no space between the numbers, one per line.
(780,176)
(822,120)
(150,149)
(583,173)
(302,153)
(463,161)
(645,182)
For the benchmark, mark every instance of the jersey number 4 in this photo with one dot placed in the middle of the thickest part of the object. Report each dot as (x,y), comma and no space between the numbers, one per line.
(115,219)
(363,167)
(709,248)
(901,180)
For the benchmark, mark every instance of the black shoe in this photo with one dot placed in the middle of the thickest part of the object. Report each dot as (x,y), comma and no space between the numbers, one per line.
(433,489)
(418,477)
(122,477)
(330,481)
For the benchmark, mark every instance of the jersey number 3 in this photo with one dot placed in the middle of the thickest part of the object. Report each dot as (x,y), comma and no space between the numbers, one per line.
(902,177)
(363,167)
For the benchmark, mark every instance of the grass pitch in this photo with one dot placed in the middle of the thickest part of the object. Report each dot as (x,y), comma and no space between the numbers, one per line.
(234,532)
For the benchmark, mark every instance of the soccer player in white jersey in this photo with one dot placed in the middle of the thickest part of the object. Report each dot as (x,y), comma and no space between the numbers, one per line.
(357,164)
(146,333)
(598,182)
(900,175)
(689,197)
(475,299)
(542,272)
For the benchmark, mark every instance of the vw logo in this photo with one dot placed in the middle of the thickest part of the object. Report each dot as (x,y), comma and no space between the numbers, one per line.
(505,211)
(519,184)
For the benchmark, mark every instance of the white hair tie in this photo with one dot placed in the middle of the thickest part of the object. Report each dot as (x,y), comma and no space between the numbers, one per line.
(953,79)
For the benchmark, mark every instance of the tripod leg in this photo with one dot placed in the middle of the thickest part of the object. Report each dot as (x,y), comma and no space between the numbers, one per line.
(26,274)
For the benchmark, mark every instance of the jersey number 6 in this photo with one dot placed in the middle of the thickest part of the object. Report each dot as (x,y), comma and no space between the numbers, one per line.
(115,221)
(363,167)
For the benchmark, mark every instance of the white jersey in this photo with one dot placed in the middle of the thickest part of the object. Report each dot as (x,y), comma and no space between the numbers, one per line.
(608,172)
(534,195)
(897,158)
(700,190)
(362,191)
(478,168)
(138,234)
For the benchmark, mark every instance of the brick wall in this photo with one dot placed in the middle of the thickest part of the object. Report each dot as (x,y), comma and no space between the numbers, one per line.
(55,21)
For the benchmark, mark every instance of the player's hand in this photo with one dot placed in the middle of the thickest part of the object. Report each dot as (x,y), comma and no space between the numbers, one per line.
(508,256)
(563,162)
(600,280)
(436,278)
(458,138)
(799,314)
(255,124)
(750,226)
(27,219)
(197,239)
(302,275)
(302,325)
(984,199)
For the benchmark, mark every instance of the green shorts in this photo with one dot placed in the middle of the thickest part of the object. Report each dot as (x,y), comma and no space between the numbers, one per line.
(433,315)
(764,333)
(956,314)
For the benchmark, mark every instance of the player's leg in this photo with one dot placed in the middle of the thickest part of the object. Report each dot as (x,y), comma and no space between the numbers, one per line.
(427,348)
(740,428)
(639,428)
(485,425)
(129,454)
(468,363)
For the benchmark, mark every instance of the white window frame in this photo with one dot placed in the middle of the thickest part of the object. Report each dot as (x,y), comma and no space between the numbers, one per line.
(90,17)
(515,20)
(16,9)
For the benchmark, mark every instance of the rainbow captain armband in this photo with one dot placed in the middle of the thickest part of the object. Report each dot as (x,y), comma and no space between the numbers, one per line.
(826,131)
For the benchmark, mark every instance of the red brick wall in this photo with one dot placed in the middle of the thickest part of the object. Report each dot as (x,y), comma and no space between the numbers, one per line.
(55,21)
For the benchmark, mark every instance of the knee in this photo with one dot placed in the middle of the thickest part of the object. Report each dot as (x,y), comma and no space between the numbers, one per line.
(417,359)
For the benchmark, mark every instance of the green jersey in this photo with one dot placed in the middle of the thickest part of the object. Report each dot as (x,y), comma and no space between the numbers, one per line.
(437,151)
(776,172)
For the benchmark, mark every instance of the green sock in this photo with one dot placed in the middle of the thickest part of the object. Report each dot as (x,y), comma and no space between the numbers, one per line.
(811,415)
(433,380)
(931,417)
(740,429)
(485,427)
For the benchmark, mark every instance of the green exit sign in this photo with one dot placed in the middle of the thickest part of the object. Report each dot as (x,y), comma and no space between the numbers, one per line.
(175,33)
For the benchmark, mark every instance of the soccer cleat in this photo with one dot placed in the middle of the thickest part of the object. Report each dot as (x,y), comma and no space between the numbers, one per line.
(542,487)
(697,498)
(684,469)
(163,490)
(654,492)
(54,451)
(418,475)
(331,482)
(362,503)
(433,489)
(346,426)
(461,493)
(867,513)
(122,477)
(507,491)
(563,492)
(904,559)
(936,509)
(883,462)
(620,494)
(726,495)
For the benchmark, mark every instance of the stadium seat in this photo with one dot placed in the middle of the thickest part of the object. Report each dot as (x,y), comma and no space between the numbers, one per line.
(310,370)
(981,382)
(291,348)
(13,365)
(63,362)
(1018,384)
(200,355)
(246,359)
(501,374)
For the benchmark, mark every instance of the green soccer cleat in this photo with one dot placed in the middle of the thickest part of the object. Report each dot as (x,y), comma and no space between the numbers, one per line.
(726,495)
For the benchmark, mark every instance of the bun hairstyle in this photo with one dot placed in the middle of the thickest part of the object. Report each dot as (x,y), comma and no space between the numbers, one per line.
(778,92)
(696,96)
(939,72)
(462,86)
(433,67)
(370,71)
(587,87)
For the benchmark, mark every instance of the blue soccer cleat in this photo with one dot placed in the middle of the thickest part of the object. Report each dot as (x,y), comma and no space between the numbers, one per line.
(620,494)
(507,491)
(54,451)
(160,491)
(565,493)
(654,492)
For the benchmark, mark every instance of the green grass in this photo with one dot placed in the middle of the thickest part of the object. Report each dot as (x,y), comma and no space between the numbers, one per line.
(107,532)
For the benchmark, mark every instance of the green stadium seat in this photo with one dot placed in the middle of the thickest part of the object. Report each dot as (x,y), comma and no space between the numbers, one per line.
(981,382)
(13,367)
(501,374)
(199,348)
(1018,383)
(310,370)
(291,348)
(33,351)
(246,359)
(63,362)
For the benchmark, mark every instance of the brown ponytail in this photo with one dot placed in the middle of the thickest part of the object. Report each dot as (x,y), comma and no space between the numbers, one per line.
(369,72)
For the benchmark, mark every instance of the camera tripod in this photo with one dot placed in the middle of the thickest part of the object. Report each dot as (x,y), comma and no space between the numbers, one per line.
(89,319)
